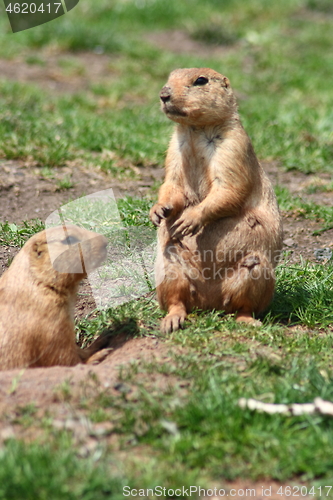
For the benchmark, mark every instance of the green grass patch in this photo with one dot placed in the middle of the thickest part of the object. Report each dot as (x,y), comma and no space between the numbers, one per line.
(53,471)
(216,434)
(223,361)
(304,294)
(205,429)
(285,110)
(52,131)
(308,210)
(324,6)
(133,212)
(16,235)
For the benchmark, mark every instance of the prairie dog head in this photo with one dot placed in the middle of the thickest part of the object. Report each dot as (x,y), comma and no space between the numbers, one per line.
(61,256)
(198,97)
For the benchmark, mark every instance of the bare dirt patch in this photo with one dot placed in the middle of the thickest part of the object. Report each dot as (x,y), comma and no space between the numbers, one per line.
(59,72)
(41,385)
(301,243)
(68,394)
(300,184)
(179,41)
(299,240)
(26,194)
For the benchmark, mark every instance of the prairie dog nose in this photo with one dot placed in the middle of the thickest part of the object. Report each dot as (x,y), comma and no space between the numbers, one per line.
(165,94)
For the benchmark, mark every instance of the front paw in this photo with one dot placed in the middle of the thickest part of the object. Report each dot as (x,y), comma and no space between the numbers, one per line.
(188,223)
(159,212)
(173,322)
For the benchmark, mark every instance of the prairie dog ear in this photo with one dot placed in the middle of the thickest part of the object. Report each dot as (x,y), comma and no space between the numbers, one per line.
(225,82)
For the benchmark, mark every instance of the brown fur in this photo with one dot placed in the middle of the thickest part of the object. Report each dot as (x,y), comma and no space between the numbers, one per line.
(220,230)
(37,297)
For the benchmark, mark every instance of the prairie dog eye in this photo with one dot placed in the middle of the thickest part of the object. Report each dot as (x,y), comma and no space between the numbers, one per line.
(202,80)
(70,240)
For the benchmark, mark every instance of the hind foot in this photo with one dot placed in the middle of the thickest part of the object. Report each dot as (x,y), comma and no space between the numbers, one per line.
(247,318)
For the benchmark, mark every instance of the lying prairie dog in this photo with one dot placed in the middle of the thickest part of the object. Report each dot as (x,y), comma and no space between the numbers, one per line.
(38,294)
(220,231)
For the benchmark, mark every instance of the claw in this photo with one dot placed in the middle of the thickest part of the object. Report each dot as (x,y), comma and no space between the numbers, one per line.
(180,229)
(158,213)
(172,322)
(155,219)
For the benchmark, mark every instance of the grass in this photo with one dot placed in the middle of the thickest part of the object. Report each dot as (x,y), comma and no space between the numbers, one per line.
(64,474)
(188,430)
(69,477)
(52,131)
(204,430)
(16,235)
(286,112)
(304,294)
(225,361)
(309,210)
(131,212)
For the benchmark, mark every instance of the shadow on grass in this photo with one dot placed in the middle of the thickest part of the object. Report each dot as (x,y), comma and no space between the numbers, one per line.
(287,302)
(304,294)
(120,332)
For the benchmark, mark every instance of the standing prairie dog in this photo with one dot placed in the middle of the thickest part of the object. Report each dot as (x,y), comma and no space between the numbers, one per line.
(220,231)
(37,297)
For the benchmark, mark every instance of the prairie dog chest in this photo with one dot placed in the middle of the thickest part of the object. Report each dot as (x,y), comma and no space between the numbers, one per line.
(198,149)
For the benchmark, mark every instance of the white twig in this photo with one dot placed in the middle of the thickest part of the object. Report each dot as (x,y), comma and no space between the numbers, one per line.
(318,406)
